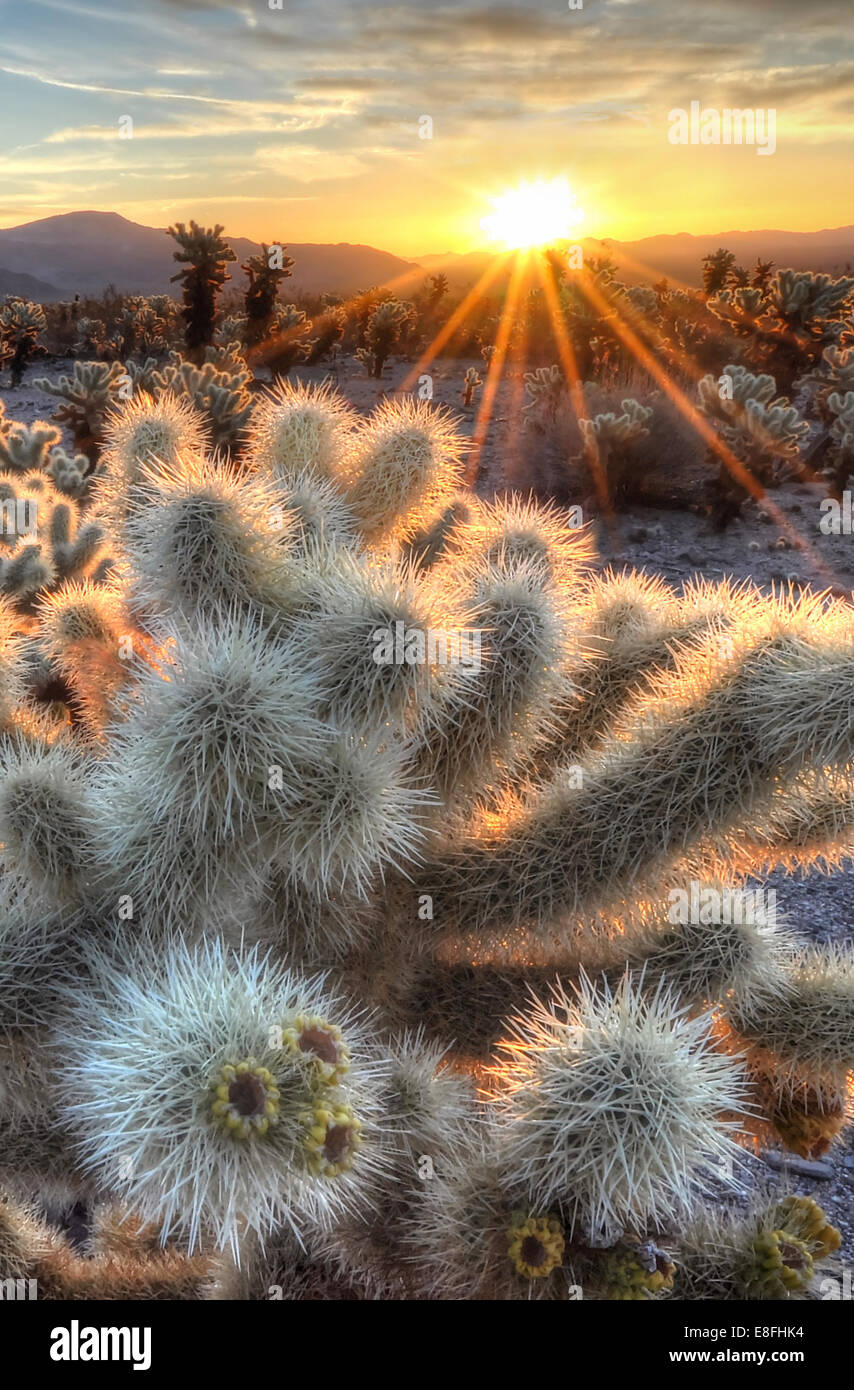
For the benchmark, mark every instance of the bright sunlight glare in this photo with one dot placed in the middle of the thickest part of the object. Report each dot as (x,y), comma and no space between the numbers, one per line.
(533,214)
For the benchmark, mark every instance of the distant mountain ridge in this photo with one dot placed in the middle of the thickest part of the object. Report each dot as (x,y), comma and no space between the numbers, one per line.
(83,252)
(679,256)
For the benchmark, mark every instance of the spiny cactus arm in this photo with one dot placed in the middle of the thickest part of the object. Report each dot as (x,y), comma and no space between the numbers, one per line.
(87,635)
(67,1277)
(146,431)
(430,542)
(611,1103)
(804,1013)
(406,464)
(808,824)
(512,531)
(693,764)
(44,814)
(364,635)
(26,572)
(515,629)
(630,627)
(294,428)
(73,547)
(199,538)
(703,959)
(25,1239)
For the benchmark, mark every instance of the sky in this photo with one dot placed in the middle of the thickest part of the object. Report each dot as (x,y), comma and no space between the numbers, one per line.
(306,122)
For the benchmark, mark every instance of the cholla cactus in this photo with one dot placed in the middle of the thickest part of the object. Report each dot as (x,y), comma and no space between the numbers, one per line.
(763,433)
(804,313)
(44,539)
(546,387)
(143,329)
(217,390)
(384,330)
(31,449)
(470,384)
(833,375)
(738,309)
(90,393)
(608,442)
(205,255)
(264,274)
(841,408)
(286,343)
(308,759)
(21,322)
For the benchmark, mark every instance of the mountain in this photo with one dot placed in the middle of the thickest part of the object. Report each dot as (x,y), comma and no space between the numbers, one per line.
(28,287)
(83,252)
(679,257)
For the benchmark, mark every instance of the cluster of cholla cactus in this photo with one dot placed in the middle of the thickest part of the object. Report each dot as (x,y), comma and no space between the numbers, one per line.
(760,432)
(373,918)
(787,321)
(609,441)
(21,322)
(383,333)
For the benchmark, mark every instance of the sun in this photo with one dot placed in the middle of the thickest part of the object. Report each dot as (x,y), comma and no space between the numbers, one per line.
(533,214)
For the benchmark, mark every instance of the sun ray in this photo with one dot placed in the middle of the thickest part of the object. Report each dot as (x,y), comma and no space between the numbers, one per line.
(496,368)
(456,319)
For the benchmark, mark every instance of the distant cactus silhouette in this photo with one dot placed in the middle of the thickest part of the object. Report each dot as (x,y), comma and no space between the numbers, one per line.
(206,255)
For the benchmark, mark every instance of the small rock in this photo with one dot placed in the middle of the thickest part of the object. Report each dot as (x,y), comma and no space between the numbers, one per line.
(638,533)
(781,544)
(804,1167)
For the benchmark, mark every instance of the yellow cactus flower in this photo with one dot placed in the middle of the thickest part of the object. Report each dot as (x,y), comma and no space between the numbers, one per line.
(245,1099)
(535,1245)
